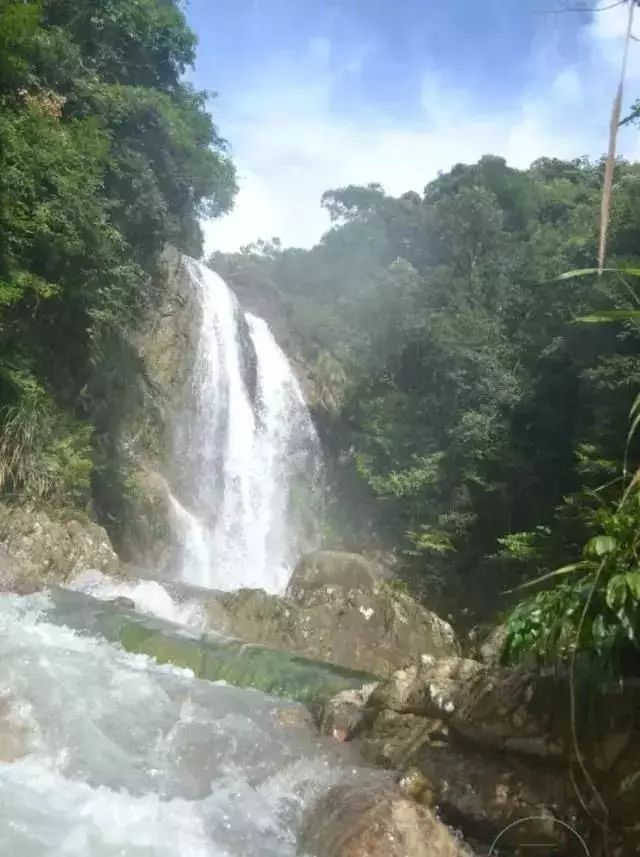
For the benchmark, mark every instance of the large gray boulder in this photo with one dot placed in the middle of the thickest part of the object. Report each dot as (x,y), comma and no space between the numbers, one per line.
(339,611)
(374,820)
(513,710)
(345,715)
(506,708)
(37,549)
(318,569)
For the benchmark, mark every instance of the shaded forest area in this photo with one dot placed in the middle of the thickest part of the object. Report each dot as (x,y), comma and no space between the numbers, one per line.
(475,426)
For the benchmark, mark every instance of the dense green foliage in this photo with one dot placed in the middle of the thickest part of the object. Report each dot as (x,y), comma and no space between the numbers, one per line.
(471,425)
(592,617)
(106,154)
(463,407)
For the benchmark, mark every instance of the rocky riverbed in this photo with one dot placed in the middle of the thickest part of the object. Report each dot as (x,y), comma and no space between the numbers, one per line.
(467,745)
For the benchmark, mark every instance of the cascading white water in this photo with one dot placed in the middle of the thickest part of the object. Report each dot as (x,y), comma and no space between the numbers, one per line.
(244,444)
(108,754)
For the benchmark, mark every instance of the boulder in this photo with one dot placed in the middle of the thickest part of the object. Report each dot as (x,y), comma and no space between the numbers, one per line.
(415,785)
(514,710)
(498,743)
(122,602)
(484,792)
(428,686)
(491,645)
(372,628)
(507,708)
(12,577)
(37,549)
(209,656)
(345,714)
(253,615)
(478,789)
(394,739)
(374,820)
(319,569)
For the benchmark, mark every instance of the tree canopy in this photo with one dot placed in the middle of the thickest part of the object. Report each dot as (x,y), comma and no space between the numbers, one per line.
(471,425)
(463,407)
(106,155)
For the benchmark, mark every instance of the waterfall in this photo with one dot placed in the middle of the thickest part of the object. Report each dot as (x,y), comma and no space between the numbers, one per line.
(246,457)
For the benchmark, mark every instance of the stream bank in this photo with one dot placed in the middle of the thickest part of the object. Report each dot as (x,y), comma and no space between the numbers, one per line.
(493,744)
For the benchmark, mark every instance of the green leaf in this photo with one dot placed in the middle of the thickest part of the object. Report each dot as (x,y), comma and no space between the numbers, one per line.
(632,429)
(634,417)
(633,583)
(628,625)
(598,630)
(616,592)
(609,315)
(566,569)
(579,272)
(584,272)
(600,546)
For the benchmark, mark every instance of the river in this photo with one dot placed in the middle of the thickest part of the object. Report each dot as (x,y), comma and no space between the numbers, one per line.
(127,758)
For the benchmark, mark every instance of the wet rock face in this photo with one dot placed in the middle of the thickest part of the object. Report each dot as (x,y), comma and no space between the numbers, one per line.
(506,708)
(512,710)
(319,569)
(478,789)
(36,549)
(12,576)
(497,744)
(394,739)
(164,340)
(147,535)
(337,610)
(345,715)
(164,347)
(374,820)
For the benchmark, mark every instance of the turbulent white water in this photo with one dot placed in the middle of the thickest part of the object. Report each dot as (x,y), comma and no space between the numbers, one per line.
(148,596)
(125,758)
(246,456)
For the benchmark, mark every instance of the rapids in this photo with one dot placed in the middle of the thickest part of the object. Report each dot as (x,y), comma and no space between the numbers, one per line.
(126,758)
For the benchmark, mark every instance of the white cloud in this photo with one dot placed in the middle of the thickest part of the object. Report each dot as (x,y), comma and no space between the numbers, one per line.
(290,145)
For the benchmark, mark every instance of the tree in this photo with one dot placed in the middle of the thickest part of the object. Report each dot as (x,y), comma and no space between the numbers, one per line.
(106,155)
(469,394)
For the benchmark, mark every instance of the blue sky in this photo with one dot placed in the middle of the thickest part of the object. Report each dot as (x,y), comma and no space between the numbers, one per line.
(315,95)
